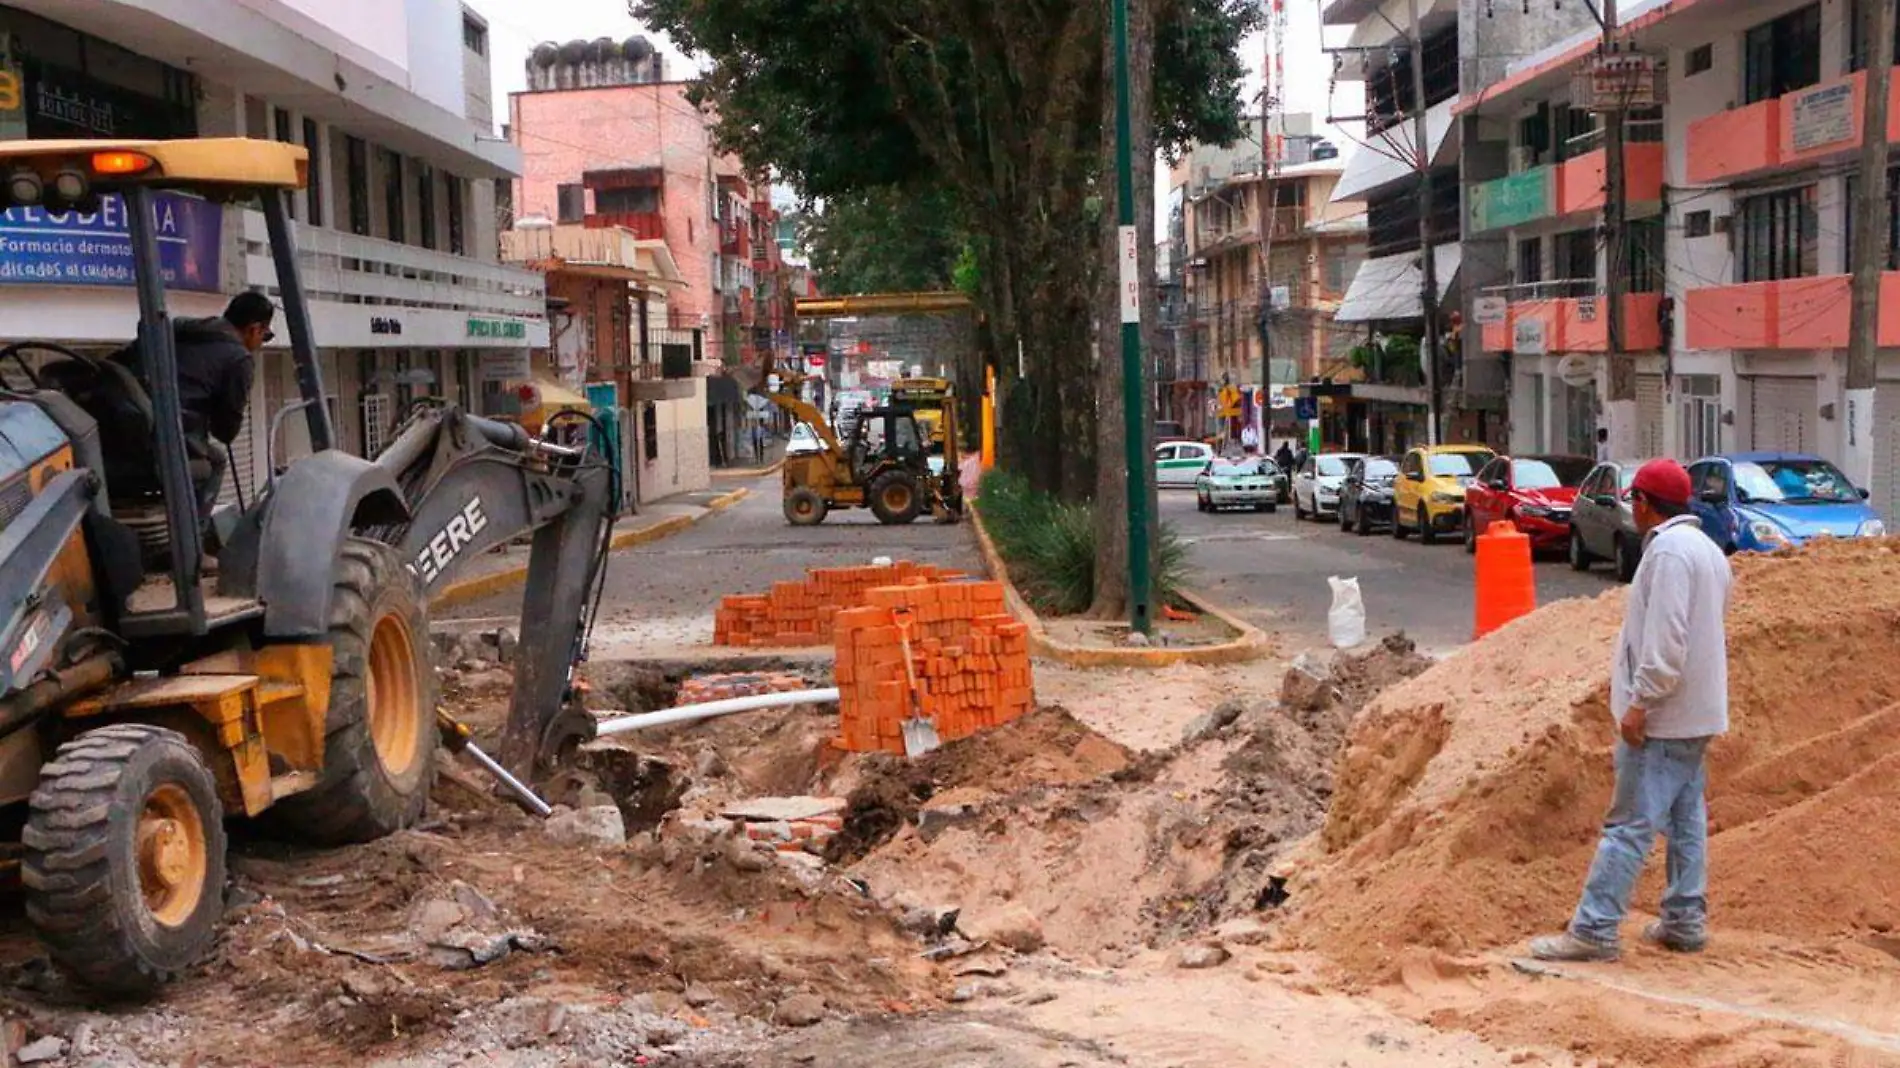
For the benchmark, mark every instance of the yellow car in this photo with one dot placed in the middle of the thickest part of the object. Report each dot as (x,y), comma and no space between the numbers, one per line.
(1429,494)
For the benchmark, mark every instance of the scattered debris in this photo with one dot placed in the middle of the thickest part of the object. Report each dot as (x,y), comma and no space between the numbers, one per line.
(1010,925)
(1199,955)
(49,1048)
(598,824)
(800,1010)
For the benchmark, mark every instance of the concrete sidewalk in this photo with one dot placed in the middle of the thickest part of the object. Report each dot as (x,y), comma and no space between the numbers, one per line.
(775,459)
(496,571)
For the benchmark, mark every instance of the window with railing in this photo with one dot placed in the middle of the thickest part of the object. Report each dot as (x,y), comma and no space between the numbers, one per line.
(1389,95)
(313,193)
(1392,220)
(458,233)
(393,213)
(1574,254)
(1643,266)
(1782,55)
(1856,51)
(1779,235)
(1530,260)
(356,176)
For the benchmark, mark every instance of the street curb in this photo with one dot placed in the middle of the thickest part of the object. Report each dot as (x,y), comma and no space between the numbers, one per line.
(748,473)
(1252,644)
(474,589)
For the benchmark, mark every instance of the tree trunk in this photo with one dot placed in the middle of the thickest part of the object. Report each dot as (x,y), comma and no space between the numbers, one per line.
(1111,600)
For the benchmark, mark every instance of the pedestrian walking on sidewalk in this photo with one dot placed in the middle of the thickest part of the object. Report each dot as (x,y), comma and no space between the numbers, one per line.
(1669,695)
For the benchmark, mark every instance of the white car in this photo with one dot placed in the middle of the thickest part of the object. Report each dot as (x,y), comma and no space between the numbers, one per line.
(1316,485)
(803,440)
(1180,463)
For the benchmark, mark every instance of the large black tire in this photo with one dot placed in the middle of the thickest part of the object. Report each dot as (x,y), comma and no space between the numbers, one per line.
(804,507)
(124,864)
(1299,513)
(1471,535)
(379,749)
(1579,556)
(1426,535)
(896,498)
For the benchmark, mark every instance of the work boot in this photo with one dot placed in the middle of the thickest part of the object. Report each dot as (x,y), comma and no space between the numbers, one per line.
(1568,947)
(1657,933)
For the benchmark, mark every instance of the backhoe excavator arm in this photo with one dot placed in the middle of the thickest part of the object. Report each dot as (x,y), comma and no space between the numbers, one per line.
(472,484)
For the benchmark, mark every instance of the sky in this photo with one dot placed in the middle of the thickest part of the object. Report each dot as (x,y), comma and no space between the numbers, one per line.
(516,26)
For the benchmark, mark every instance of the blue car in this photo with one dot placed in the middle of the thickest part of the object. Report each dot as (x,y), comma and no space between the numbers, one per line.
(1762,501)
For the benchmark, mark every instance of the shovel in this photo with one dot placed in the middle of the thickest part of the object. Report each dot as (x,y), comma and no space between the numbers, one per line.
(920,735)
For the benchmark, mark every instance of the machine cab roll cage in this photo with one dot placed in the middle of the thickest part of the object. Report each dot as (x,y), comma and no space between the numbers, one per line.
(73,176)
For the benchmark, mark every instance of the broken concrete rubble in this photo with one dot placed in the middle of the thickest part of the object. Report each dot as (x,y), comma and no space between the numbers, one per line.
(597,825)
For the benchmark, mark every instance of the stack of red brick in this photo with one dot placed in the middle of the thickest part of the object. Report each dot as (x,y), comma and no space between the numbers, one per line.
(969,658)
(702,688)
(800,613)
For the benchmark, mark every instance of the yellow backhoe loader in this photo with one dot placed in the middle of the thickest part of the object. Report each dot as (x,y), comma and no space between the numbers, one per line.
(141,701)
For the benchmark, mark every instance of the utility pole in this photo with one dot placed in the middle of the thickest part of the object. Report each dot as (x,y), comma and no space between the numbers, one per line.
(1871,250)
(1266,201)
(1622,411)
(1140,584)
(1428,267)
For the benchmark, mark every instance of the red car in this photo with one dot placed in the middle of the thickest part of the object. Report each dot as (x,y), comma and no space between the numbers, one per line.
(1535,493)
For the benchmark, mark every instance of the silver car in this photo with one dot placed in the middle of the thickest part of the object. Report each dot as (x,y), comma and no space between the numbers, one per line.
(1602,527)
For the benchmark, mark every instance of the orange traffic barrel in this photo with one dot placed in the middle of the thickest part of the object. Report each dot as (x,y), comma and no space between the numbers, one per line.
(1507,587)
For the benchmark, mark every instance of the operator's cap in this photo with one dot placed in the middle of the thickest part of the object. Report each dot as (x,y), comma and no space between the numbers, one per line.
(1664,481)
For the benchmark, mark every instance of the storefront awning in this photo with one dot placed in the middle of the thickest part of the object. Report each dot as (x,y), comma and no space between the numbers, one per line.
(1388,287)
(1388,157)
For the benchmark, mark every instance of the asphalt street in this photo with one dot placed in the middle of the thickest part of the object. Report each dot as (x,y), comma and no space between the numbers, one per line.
(1272,570)
(661,596)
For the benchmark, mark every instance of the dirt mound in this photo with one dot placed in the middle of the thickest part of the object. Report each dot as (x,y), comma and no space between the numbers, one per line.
(1469,798)
(1044,748)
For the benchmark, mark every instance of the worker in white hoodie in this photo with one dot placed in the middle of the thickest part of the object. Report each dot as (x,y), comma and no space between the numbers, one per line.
(1669,695)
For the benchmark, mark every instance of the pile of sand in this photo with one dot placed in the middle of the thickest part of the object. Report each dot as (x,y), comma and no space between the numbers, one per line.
(1468,799)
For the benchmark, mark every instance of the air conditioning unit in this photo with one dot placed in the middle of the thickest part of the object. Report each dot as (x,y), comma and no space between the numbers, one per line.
(1523,158)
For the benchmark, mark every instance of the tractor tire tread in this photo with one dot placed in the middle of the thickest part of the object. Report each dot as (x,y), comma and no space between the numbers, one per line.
(356,802)
(887,516)
(76,821)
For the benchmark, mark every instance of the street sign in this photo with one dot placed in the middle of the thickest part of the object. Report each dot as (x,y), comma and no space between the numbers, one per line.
(1528,338)
(1229,402)
(1306,408)
(1576,370)
(1487,311)
(1624,81)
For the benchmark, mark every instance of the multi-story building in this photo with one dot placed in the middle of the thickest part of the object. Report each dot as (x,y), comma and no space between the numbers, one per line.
(397,229)
(1740,188)
(1262,250)
(1457,47)
(1384,405)
(607,140)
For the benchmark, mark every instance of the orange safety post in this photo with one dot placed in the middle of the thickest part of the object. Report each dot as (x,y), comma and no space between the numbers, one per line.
(1507,586)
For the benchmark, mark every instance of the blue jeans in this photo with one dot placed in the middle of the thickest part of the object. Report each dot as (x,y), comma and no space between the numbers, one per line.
(1659,787)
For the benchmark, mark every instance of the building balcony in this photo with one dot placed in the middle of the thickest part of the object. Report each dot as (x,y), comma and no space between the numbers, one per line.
(1558,189)
(1813,125)
(646,225)
(429,298)
(1573,323)
(1796,313)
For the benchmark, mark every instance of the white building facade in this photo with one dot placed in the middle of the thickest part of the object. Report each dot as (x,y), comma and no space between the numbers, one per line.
(397,231)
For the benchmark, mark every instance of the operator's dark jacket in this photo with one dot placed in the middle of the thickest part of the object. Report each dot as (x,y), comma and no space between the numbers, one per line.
(214,377)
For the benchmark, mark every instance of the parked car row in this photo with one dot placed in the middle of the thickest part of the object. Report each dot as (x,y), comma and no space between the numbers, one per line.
(1746,502)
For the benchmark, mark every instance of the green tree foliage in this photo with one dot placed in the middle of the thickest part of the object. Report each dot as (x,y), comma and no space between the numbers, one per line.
(1000,104)
(887,239)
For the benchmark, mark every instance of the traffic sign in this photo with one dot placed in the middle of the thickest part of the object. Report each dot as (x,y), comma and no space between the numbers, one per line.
(1306,408)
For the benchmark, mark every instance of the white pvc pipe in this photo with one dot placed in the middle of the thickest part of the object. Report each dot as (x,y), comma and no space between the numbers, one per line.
(690,713)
